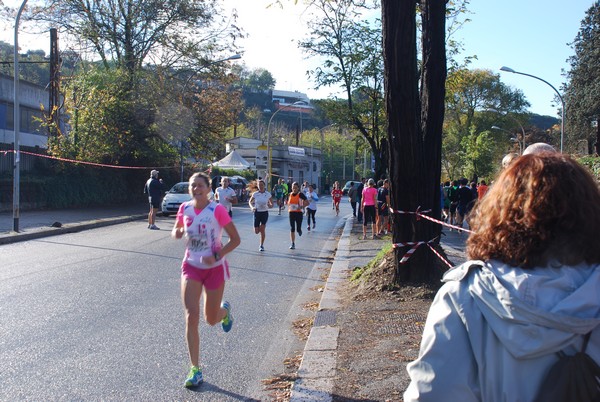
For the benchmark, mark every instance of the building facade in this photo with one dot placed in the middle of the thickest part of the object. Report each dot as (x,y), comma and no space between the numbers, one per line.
(33,99)
(287,162)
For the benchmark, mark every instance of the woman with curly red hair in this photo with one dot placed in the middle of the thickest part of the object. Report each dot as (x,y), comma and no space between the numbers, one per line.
(530,289)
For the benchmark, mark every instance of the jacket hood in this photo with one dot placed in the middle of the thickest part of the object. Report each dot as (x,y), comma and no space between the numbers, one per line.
(536,311)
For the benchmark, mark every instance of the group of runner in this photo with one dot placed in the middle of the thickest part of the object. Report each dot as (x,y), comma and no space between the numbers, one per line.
(299,200)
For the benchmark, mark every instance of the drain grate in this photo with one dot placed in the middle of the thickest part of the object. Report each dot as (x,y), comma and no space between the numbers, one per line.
(401,324)
(324,318)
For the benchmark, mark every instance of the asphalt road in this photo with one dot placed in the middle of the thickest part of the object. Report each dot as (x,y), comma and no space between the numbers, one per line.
(97,315)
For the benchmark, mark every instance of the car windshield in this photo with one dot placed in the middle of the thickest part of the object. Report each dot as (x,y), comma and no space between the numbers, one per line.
(239,180)
(180,188)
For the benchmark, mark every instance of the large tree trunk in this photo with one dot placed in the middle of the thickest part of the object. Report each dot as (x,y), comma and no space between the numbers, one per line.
(414,128)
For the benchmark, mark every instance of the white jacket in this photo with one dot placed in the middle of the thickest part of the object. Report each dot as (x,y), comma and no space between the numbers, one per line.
(493,330)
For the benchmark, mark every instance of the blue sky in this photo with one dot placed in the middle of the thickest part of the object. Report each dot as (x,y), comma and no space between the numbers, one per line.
(530,36)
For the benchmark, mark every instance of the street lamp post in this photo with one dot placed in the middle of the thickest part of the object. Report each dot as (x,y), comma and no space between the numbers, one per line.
(520,125)
(311,165)
(516,138)
(522,134)
(521,146)
(562,101)
(268,178)
(17,124)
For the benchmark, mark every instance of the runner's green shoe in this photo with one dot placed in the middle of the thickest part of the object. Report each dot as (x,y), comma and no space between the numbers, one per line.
(194,378)
(227,322)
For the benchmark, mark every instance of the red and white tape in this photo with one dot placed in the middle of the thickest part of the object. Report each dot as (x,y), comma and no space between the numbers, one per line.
(410,252)
(429,218)
(448,263)
(88,163)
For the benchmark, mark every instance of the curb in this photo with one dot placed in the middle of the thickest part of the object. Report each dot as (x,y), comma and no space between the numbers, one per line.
(13,237)
(317,371)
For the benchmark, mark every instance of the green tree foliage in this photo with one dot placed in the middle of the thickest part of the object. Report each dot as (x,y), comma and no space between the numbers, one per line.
(33,65)
(583,86)
(140,102)
(110,123)
(129,34)
(339,154)
(477,154)
(215,106)
(256,80)
(350,47)
(475,101)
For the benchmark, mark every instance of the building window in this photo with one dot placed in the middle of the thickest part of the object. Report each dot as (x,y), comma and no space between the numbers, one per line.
(31,119)
(3,108)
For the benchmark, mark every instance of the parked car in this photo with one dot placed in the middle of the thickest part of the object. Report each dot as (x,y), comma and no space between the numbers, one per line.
(239,180)
(346,187)
(239,184)
(177,195)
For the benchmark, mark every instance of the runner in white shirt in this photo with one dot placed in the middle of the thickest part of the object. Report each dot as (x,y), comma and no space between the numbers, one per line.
(225,195)
(260,202)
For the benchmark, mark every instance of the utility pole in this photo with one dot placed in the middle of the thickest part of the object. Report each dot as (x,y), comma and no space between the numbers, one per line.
(54,100)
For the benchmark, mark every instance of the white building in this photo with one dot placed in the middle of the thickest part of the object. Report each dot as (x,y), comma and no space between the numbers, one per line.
(290,163)
(32,136)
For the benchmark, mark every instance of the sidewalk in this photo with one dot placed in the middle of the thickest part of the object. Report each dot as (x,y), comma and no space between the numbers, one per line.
(37,224)
(358,348)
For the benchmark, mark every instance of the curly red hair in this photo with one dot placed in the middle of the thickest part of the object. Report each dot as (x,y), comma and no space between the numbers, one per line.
(543,207)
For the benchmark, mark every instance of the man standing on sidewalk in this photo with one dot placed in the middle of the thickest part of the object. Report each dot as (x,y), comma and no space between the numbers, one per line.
(359,195)
(154,190)
(352,197)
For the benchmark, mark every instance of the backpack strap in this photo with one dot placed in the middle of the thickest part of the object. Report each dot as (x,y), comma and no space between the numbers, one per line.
(586,339)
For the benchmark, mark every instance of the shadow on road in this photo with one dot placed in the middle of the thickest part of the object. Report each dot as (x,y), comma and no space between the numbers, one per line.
(208,387)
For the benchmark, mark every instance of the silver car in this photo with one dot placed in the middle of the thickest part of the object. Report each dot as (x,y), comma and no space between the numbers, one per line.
(177,195)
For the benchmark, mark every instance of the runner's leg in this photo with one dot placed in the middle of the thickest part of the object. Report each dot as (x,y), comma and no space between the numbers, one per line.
(213,312)
(190,294)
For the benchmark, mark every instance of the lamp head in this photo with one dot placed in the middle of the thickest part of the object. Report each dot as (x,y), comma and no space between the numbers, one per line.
(234,57)
(507,69)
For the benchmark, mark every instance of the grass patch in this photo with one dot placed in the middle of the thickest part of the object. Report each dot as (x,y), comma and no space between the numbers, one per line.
(363,272)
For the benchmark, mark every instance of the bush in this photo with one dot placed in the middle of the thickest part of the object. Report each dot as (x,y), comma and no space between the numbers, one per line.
(74,187)
(592,163)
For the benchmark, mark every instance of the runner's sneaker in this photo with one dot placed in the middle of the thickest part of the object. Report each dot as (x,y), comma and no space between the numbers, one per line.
(292,246)
(227,322)
(194,377)
(261,248)
(154,227)
(308,228)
